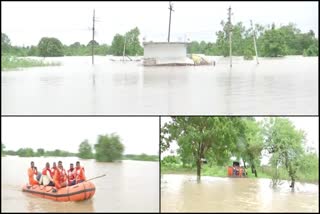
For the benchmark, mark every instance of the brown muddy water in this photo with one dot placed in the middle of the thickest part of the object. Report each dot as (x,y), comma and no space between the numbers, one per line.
(279,86)
(129,186)
(182,193)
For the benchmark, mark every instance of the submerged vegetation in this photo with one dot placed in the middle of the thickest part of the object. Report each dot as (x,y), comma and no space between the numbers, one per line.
(141,157)
(12,62)
(219,139)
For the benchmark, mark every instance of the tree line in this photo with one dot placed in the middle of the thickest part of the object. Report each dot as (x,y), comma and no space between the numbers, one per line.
(217,139)
(53,47)
(107,149)
(272,41)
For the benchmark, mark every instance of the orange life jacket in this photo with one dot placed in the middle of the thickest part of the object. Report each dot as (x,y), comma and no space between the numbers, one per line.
(80,174)
(53,169)
(31,173)
(62,175)
(56,178)
(71,174)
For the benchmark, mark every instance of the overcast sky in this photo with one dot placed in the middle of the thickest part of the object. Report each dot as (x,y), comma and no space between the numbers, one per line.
(26,22)
(138,134)
(309,124)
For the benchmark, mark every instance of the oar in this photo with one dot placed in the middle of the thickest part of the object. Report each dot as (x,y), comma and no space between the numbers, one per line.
(100,176)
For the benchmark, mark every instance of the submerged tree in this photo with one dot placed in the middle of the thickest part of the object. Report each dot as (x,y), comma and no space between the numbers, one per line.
(250,143)
(85,150)
(50,47)
(284,142)
(202,137)
(109,148)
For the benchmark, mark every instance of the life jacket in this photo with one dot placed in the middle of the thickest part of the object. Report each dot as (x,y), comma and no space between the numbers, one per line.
(71,174)
(53,169)
(62,174)
(44,171)
(79,175)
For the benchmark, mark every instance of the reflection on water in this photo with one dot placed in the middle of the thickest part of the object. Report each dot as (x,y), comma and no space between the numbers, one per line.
(184,193)
(276,86)
(122,189)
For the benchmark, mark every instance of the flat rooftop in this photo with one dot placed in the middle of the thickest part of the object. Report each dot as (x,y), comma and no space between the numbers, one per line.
(149,43)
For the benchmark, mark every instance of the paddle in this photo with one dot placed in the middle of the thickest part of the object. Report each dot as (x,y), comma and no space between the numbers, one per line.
(100,176)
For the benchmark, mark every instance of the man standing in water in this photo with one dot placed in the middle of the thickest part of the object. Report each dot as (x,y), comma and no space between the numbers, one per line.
(31,172)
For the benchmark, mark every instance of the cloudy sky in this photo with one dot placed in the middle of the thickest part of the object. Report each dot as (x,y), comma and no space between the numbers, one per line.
(138,134)
(309,124)
(26,22)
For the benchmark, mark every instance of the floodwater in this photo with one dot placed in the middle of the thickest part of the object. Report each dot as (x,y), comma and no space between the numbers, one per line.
(286,85)
(129,186)
(182,193)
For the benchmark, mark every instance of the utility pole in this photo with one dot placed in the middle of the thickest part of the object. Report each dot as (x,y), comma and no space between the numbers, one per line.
(171,9)
(124,47)
(230,32)
(254,41)
(93,31)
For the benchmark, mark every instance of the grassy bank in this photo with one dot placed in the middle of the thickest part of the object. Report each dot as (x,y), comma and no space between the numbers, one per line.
(221,171)
(12,62)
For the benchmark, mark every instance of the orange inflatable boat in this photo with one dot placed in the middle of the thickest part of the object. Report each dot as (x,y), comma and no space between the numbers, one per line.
(78,192)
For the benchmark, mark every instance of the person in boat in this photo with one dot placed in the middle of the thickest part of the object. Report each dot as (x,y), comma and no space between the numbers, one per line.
(79,173)
(46,178)
(53,169)
(60,176)
(32,171)
(71,175)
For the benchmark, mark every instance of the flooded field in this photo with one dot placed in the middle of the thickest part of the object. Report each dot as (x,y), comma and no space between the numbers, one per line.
(276,86)
(123,189)
(182,193)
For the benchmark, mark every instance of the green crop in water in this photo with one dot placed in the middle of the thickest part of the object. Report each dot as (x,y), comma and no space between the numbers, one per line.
(12,62)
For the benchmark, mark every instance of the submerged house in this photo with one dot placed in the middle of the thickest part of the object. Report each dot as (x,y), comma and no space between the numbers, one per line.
(166,53)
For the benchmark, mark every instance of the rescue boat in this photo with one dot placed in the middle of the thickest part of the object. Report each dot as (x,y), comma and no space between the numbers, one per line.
(78,192)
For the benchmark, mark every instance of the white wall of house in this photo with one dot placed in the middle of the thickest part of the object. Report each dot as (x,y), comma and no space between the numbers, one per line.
(165,50)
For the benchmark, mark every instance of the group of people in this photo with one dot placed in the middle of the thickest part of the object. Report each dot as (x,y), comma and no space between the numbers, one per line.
(56,176)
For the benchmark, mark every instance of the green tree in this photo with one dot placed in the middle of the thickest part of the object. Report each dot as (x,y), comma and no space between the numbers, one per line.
(252,144)
(284,142)
(40,152)
(309,167)
(25,152)
(203,136)
(312,50)
(109,148)
(133,46)
(2,148)
(85,150)
(94,42)
(274,43)
(50,47)
(33,51)
(5,43)
(117,45)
